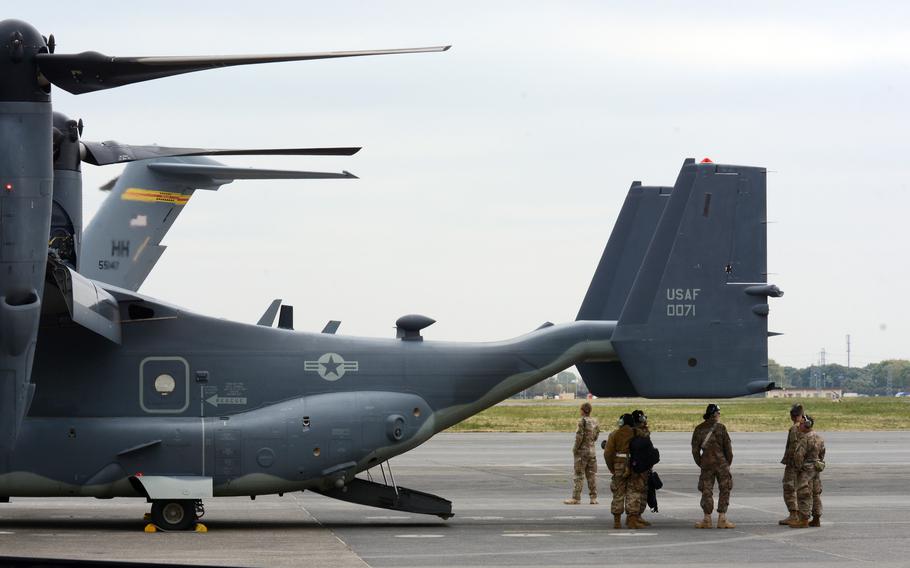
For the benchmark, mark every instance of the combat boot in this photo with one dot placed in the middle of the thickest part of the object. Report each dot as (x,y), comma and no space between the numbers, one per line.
(634,522)
(617,521)
(793,517)
(723,523)
(800,523)
(640,520)
(816,521)
(594,500)
(572,501)
(705,523)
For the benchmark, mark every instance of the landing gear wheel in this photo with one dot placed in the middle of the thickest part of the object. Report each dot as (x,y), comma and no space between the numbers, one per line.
(177,515)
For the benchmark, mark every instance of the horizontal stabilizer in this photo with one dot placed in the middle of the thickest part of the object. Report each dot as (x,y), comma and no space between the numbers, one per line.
(374,494)
(122,242)
(268,318)
(227,173)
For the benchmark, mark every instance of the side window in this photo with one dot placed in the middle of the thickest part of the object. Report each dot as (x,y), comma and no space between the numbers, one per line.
(164,385)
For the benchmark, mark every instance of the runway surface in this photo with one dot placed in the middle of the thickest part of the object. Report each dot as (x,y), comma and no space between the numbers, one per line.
(507,491)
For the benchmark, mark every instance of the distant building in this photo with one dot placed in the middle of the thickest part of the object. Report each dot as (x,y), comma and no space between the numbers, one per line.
(833,394)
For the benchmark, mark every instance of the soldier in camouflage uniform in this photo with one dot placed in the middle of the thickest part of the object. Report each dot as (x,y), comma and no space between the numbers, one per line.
(789,480)
(713,452)
(585,456)
(809,460)
(642,430)
(626,487)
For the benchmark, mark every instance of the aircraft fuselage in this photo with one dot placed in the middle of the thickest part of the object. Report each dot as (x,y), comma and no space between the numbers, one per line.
(259,410)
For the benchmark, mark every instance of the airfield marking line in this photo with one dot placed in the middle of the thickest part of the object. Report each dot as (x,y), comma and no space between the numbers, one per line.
(785,540)
(734,505)
(319,523)
(597,550)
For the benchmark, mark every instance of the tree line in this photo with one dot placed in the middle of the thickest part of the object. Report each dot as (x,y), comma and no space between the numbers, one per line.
(870,380)
(873,379)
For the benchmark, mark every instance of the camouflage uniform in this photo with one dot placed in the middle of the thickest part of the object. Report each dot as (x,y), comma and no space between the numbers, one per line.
(627,487)
(585,457)
(810,448)
(714,457)
(789,480)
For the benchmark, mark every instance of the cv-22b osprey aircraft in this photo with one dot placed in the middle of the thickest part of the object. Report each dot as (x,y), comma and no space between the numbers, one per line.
(129,396)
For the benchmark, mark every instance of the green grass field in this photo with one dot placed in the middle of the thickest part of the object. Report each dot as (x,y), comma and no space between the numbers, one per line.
(741,415)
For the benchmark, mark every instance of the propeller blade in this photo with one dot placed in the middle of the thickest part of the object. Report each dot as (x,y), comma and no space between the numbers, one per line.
(92,71)
(111,152)
(230,173)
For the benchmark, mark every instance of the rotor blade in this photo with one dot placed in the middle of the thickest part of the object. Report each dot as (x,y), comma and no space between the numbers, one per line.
(111,152)
(231,173)
(92,71)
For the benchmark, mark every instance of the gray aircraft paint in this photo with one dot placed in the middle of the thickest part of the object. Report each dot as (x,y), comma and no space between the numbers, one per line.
(697,312)
(615,274)
(297,413)
(150,400)
(25,213)
(29,67)
(122,243)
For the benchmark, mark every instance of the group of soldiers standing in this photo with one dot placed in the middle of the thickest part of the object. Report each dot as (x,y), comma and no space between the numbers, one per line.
(712,451)
(629,487)
(804,460)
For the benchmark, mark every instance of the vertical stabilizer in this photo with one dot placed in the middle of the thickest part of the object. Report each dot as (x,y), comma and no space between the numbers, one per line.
(613,279)
(695,321)
(122,243)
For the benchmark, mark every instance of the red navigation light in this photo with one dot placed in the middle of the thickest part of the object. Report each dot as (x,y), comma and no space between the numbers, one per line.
(8,186)
(707,161)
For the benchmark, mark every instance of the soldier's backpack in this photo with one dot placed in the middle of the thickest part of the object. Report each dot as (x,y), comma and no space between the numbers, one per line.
(642,454)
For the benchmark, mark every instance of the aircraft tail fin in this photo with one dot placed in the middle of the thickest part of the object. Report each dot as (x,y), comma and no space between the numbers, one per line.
(694,323)
(122,243)
(613,279)
(695,320)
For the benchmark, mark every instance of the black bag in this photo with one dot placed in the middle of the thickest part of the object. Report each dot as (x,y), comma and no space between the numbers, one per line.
(643,454)
(654,483)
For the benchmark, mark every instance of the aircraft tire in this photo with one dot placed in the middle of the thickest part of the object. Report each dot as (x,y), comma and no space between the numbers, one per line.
(174,515)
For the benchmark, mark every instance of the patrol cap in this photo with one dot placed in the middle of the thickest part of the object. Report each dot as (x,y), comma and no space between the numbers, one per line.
(711,411)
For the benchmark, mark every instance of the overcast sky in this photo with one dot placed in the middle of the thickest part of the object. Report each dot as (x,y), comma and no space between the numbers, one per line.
(492,174)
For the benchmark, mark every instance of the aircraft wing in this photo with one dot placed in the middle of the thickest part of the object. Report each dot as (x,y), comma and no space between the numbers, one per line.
(122,243)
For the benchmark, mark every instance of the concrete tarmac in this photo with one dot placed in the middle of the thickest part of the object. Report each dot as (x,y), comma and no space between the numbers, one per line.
(507,491)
